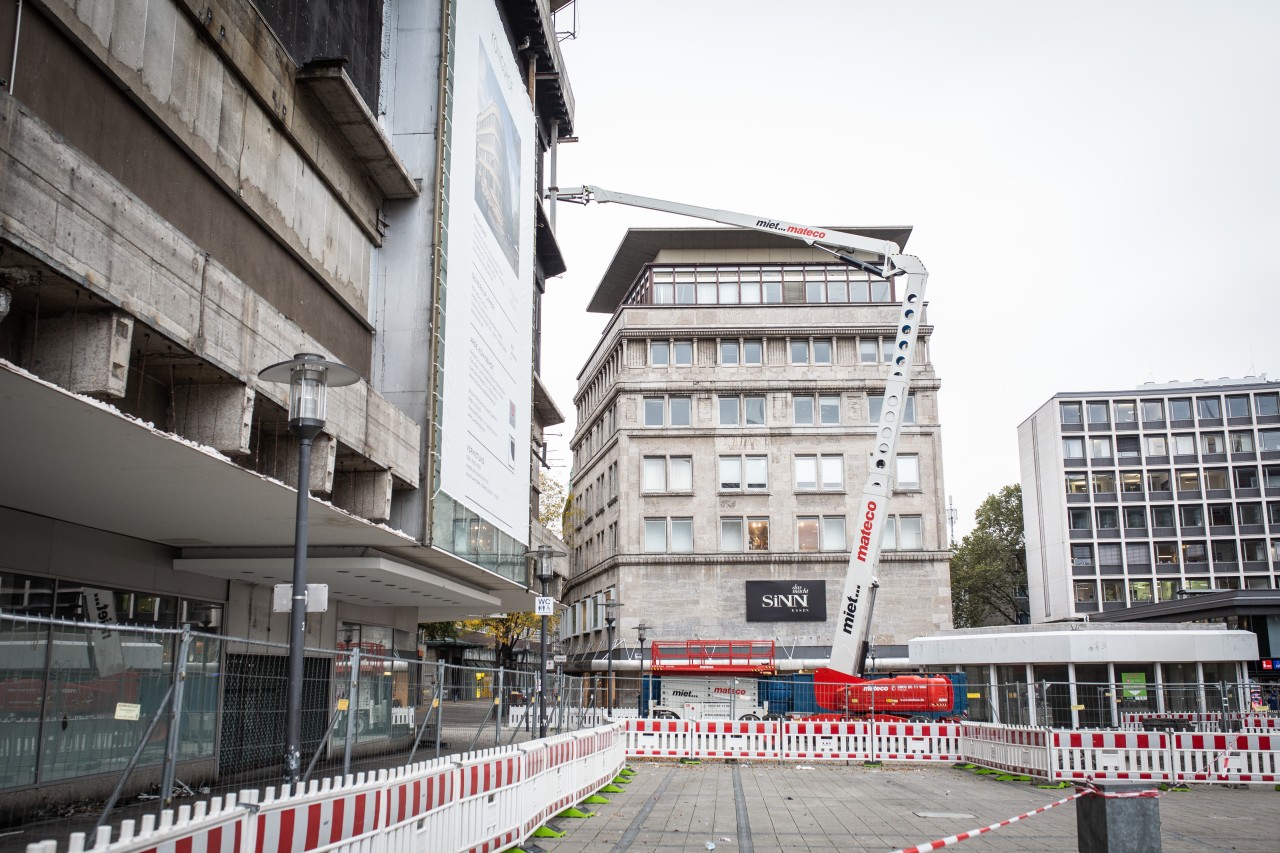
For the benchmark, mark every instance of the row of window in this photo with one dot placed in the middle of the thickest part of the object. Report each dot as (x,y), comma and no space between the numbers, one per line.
(1163,516)
(1179,444)
(1138,554)
(750,472)
(751,352)
(750,410)
(674,535)
(760,284)
(1206,408)
(1170,480)
(1145,591)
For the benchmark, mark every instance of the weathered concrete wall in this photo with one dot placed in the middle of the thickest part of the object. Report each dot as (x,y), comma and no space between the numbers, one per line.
(59,206)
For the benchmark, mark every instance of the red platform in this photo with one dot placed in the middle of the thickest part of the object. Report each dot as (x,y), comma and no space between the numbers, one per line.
(754,657)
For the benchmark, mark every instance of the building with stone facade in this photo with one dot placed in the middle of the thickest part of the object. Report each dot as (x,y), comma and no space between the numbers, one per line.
(1145,495)
(190,192)
(725,420)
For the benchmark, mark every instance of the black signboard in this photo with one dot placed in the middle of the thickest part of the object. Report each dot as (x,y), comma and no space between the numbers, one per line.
(786,601)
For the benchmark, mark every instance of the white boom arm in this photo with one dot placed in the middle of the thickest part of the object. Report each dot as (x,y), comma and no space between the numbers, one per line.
(848,647)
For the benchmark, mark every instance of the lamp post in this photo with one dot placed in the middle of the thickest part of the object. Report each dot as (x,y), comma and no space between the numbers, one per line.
(642,631)
(309,375)
(543,554)
(611,606)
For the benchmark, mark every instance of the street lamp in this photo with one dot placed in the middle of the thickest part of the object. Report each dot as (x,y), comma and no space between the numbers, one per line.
(641,631)
(308,375)
(611,606)
(543,554)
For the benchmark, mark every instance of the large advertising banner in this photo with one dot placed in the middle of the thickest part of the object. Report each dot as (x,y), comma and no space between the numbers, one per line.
(786,601)
(488,329)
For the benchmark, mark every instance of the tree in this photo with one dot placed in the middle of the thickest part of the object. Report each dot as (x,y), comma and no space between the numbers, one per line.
(508,630)
(989,569)
(553,495)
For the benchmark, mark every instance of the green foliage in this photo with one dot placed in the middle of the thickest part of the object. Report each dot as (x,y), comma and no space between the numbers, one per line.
(989,569)
(552,497)
(508,630)
(435,631)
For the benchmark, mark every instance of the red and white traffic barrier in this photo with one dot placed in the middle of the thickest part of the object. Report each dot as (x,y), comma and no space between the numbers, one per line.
(744,739)
(1110,755)
(659,738)
(1247,759)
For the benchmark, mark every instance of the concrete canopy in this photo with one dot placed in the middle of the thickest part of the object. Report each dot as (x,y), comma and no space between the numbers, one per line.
(70,458)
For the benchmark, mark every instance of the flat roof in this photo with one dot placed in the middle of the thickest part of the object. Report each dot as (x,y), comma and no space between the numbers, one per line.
(641,245)
(1199,605)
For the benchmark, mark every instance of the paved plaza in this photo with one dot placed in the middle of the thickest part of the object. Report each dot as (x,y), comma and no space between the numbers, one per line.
(851,808)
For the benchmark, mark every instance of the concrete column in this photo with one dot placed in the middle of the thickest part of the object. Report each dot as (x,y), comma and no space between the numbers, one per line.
(994,697)
(1075,698)
(1109,825)
(217,415)
(85,353)
(364,493)
(279,459)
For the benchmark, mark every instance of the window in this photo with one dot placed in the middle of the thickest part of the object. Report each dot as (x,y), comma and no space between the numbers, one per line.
(663,474)
(1128,447)
(1212,442)
(744,534)
(1070,413)
(1078,519)
(1152,411)
(1166,553)
(654,411)
(802,410)
(1073,447)
(1157,445)
(1180,409)
(659,353)
(1077,484)
(1140,591)
(733,469)
(681,411)
(1267,405)
(819,472)
(1238,406)
(1137,553)
(1254,550)
(1104,483)
(904,533)
(1273,512)
(1131,482)
(1100,448)
(1216,478)
(1219,515)
(1224,551)
(1184,445)
(906,469)
(668,535)
(1192,515)
(753,352)
(1247,477)
(1249,513)
(1082,555)
(1126,411)
(822,352)
(1097,411)
(1188,480)
(729,411)
(1162,516)
(829,409)
(1241,441)
(1135,518)
(1113,591)
(1269,439)
(799,352)
(753,411)
(1209,408)
(1086,592)
(682,352)
(820,533)
(1271,476)
(729,352)
(1158,481)
(875,403)
(868,350)
(655,535)
(1108,518)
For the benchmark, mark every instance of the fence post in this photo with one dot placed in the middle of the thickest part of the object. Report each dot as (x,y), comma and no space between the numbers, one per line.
(173,742)
(497,701)
(440,688)
(353,710)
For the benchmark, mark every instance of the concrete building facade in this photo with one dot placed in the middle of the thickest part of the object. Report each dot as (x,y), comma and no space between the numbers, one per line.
(1144,495)
(190,192)
(724,425)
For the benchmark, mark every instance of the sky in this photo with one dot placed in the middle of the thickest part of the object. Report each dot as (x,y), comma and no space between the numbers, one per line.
(1094,187)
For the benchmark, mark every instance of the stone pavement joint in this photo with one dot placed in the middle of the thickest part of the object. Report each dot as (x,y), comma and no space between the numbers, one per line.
(839,806)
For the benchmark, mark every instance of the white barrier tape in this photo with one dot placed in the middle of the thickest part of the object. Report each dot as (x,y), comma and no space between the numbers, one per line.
(974,833)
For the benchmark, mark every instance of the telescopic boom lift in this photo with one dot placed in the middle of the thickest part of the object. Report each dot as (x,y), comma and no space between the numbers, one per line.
(849,645)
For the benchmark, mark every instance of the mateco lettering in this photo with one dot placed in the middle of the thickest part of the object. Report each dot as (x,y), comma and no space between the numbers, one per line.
(791,229)
(864,541)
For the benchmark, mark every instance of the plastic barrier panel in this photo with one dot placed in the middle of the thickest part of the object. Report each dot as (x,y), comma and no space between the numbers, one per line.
(722,739)
(1247,759)
(1014,749)
(1111,756)
(667,738)
(917,742)
(826,741)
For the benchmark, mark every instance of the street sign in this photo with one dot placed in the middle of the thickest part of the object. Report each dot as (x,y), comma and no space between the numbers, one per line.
(544,605)
(560,658)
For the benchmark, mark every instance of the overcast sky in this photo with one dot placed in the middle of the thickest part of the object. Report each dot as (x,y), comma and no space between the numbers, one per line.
(1094,186)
